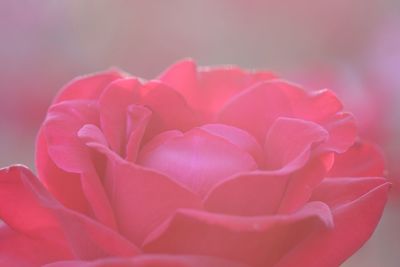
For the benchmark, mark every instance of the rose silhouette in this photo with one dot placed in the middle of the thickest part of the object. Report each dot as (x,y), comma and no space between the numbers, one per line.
(200,167)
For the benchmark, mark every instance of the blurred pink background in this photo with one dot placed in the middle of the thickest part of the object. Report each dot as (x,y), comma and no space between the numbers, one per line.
(352,47)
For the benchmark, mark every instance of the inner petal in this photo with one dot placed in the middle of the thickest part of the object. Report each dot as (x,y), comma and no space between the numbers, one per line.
(196,159)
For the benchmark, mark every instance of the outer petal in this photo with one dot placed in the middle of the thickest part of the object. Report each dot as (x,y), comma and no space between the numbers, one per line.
(303,181)
(219,84)
(338,192)
(355,219)
(208,89)
(70,154)
(65,186)
(44,219)
(87,87)
(316,105)
(362,159)
(257,241)
(323,107)
(268,192)
(154,260)
(182,76)
(60,128)
(342,132)
(256,108)
(196,159)
(251,194)
(19,250)
(288,145)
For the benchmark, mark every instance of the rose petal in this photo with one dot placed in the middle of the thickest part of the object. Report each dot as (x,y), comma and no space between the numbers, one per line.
(87,87)
(182,76)
(154,260)
(362,159)
(169,109)
(317,106)
(196,159)
(130,186)
(303,181)
(60,128)
(238,137)
(255,109)
(288,145)
(23,251)
(337,192)
(323,107)
(249,194)
(267,192)
(70,154)
(43,218)
(257,241)
(143,199)
(219,84)
(209,88)
(113,107)
(65,186)
(342,132)
(137,121)
(354,223)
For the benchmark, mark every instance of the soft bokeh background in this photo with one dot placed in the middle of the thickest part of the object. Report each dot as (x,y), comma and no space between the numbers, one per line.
(352,47)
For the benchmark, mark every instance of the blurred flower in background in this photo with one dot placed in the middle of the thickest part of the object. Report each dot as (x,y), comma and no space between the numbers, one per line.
(350,46)
(381,63)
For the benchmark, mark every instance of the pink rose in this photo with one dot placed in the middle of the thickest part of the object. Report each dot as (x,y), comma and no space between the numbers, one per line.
(200,167)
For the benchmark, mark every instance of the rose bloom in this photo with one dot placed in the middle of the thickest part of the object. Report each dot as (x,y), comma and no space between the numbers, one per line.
(199,167)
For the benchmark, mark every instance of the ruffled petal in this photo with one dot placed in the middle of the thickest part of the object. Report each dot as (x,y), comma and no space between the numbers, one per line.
(289,143)
(316,106)
(42,218)
(355,215)
(70,154)
(219,84)
(323,107)
(342,132)
(87,87)
(65,186)
(60,128)
(208,89)
(363,159)
(197,159)
(257,241)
